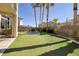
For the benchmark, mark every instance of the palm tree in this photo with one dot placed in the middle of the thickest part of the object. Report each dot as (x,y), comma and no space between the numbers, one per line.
(48,5)
(75,20)
(41,15)
(67,27)
(43,5)
(35,16)
(34,6)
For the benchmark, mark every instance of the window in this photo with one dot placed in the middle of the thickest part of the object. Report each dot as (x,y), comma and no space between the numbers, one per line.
(5,22)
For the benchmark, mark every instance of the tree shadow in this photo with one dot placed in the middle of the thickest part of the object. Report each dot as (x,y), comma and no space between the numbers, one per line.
(31,47)
(55,35)
(62,51)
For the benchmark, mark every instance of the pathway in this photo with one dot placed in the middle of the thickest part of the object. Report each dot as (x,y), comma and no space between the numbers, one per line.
(5,43)
(32,33)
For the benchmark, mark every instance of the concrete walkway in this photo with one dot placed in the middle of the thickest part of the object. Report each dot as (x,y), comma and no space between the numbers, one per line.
(5,43)
(32,33)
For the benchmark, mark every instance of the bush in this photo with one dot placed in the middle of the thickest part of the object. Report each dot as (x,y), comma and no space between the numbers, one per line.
(6,32)
(32,29)
(50,31)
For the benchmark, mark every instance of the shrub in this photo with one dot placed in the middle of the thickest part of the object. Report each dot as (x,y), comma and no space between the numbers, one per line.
(6,32)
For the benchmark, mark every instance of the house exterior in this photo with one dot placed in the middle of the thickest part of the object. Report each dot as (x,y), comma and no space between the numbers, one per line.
(8,19)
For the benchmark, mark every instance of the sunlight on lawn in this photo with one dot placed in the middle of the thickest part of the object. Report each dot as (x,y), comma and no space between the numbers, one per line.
(32,45)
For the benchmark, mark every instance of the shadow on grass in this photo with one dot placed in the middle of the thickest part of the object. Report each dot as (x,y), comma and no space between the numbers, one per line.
(62,51)
(55,35)
(31,47)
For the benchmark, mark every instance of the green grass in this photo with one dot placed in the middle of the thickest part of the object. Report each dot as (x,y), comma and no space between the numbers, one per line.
(43,45)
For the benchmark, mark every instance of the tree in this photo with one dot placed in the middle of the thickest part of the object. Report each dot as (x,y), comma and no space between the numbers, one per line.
(41,12)
(42,5)
(54,20)
(48,5)
(34,5)
(40,18)
(75,20)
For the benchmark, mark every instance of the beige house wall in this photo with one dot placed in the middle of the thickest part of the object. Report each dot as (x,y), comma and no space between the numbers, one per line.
(10,9)
(0,23)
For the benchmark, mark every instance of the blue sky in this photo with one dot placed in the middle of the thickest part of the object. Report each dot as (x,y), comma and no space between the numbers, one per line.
(61,11)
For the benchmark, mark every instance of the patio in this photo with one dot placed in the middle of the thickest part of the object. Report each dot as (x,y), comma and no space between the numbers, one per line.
(4,44)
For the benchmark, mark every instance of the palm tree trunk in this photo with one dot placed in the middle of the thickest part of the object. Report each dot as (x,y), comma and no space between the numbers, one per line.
(40,20)
(47,9)
(42,16)
(75,20)
(35,16)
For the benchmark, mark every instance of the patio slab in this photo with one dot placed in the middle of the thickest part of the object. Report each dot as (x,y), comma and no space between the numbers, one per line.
(5,43)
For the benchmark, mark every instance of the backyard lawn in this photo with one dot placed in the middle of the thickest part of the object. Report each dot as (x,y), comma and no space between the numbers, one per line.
(41,45)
